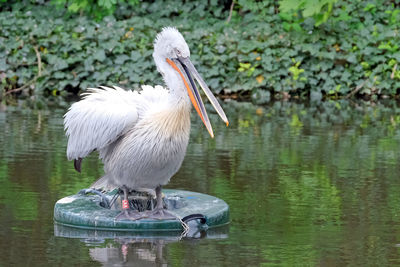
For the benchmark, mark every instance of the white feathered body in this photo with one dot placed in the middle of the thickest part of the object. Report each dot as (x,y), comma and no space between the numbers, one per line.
(141,137)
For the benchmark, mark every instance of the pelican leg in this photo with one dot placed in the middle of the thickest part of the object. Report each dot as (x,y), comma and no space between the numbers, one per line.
(159,212)
(127,213)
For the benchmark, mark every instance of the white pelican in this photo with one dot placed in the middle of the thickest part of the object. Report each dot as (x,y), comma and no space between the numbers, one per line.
(141,136)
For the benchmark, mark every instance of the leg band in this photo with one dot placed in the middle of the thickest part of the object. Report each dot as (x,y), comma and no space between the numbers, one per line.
(125,204)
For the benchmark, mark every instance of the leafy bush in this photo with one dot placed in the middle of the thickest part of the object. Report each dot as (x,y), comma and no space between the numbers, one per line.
(355,53)
(98,9)
(320,10)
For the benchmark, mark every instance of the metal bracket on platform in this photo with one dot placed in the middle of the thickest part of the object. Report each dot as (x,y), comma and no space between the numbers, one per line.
(104,202)
(192,217)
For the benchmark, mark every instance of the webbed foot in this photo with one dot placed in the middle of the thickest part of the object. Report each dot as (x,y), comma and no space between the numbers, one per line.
(159,214)
(128,215)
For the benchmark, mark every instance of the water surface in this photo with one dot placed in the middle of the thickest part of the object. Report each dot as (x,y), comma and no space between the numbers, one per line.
(307,184)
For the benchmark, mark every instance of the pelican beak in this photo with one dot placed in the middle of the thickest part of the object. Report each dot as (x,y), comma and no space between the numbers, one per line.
(187,71)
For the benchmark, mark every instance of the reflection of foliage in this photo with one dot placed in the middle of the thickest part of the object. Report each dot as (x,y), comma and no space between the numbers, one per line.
(306,183)
(21,201)
(307,195)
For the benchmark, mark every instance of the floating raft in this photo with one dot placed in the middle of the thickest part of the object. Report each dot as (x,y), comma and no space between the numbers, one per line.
(85,212)
(95,236)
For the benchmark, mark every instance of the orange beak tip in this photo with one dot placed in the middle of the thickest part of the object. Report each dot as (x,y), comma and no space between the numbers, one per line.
(227,123)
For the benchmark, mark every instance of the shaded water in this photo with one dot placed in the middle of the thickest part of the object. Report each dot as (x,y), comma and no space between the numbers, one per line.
(316,185)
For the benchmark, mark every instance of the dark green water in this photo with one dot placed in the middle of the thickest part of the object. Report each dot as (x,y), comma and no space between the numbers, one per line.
(308,185)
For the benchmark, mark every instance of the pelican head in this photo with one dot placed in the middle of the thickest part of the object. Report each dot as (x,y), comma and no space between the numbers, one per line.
(172,54)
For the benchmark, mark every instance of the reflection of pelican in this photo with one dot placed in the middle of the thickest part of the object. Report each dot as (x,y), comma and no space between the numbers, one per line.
(137,253)
(141,137)
(134,248)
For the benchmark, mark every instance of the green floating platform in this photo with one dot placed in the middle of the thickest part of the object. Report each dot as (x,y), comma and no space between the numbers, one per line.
(85,212)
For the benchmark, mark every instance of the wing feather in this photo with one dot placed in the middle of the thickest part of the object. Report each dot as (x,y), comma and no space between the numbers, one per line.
(99,119)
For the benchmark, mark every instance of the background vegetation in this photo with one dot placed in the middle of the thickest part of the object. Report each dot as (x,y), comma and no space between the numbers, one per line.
(244,49)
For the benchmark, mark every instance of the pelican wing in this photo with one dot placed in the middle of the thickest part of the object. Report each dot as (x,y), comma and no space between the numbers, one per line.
(99,119)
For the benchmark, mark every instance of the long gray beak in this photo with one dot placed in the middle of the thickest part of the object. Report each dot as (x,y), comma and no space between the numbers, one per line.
(189,71)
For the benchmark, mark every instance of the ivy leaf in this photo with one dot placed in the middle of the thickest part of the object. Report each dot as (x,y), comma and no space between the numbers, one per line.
(312,7)
(99,55)
(121,59)
(135,56)
(3,64)
(289,5)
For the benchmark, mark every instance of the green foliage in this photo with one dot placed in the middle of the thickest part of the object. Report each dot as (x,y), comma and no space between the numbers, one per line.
(320,10)
(355,52)
(99,8)
(296,71)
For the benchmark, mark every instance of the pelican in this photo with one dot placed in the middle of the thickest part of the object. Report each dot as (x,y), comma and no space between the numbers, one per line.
(141,137)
